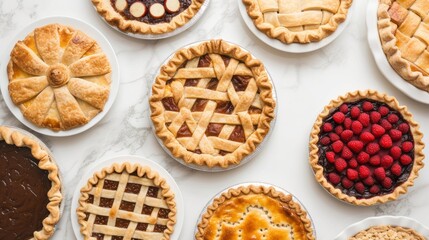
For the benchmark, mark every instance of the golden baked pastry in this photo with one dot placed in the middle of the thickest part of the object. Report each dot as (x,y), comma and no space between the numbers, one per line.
(58,77)
(254,212)
(387,233)
(300,21)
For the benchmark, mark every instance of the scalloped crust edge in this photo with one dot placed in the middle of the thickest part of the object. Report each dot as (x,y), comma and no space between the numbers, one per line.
(14,137)
(286,36)
(255,189)
(167,72)
(167,193)
(414,128)
(385,228)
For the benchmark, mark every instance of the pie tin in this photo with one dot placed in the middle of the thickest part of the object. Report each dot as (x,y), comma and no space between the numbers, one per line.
(178,30)
(245,184)
(215,168)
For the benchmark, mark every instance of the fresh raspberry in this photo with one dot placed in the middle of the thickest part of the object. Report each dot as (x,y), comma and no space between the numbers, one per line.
(339,130)
(372,148)
(346,153)
(346,183)
(346,135)
(383,110)
(366,137)
(374,189)
(338,117)
(404,127)
(353,163)
(407,146)
(395,152)
(344,108)
(337,146)
(327,127)
(352,174)
(363,158)
(325,141)
(364,119)
(380,173)
(355,145)
(330,156)
(405,160)
(334,178)
(355,112)
(369,181)
(375,160)
(356,127)
(386,141)
(392,118)
(386,124)
(375,116)
(377,130)
(367,106)
(396,135)
(334,137)
(364,172)
(386,161)
(387,183)
(396,169)
(340,164)
(347,123)
(360,188)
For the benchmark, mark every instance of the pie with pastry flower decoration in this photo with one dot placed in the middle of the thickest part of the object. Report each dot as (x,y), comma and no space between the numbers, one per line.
(212,104)
(365,148)
(58,77)
(254,212)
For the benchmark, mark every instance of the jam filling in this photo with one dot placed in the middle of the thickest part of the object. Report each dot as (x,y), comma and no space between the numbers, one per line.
(147,18)
(24,193)
(365,175)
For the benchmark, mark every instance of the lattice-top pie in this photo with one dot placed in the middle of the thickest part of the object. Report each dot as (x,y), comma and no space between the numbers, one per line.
(59,77)
(254,212)
(127,201)
(212,104)
(300,21)
(148,16)
(387,233)
(404,33)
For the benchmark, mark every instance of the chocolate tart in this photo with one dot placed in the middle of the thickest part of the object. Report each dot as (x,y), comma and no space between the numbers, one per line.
(387,232)
(31,188)
(365,148)
(127,201)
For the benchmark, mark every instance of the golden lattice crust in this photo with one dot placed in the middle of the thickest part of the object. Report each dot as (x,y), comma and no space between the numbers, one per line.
(105,9)
(391,102)
(58,77)
(11,136)
(257,95)
(388,232)
(127,173)
(297,20)
(403,29)
(252,212)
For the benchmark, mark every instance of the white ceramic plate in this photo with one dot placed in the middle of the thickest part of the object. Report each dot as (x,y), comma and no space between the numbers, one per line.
(165,35)
(382,62)
(180,217)
(293,47)
(90,31)
(407,222)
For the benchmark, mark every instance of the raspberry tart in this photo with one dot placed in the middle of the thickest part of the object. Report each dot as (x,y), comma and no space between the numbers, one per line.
(365,148)
(254,212)
(212,104)
(387,232)
(296,20)
(148,16)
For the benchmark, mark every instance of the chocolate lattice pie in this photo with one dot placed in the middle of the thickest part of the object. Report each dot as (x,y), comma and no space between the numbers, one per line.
(212,104)
(254,212)
(126,201)
(365,148)
(300,21)
(148,16)
(58,77)
(388,233)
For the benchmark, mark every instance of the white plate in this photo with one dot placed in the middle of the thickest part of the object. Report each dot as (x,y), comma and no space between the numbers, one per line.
(164,35)
(353,229)
(382,62)
(90,31)
(293,47)
(180,217)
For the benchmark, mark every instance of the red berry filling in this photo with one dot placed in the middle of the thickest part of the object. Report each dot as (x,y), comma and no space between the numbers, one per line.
(366,148)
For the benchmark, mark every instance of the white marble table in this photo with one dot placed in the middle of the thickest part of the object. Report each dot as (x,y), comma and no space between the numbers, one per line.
(305,83)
